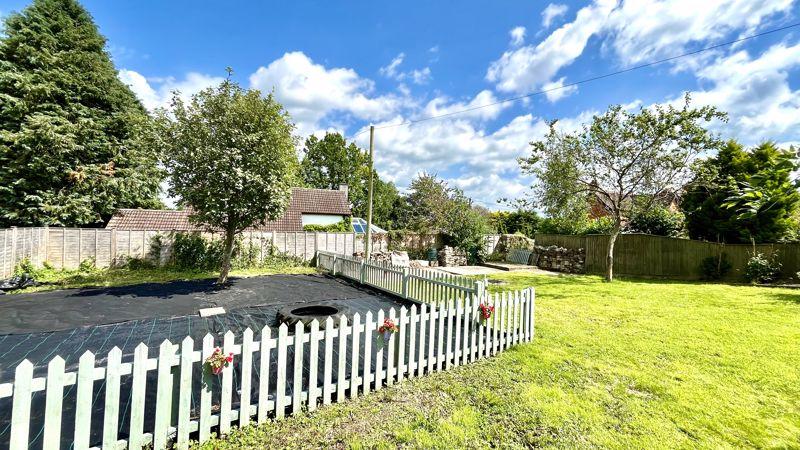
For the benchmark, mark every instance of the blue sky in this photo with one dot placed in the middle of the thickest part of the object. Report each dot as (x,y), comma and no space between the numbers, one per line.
(342,65)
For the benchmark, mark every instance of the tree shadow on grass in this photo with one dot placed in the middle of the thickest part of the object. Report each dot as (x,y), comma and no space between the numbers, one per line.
(157,290)
(785,297)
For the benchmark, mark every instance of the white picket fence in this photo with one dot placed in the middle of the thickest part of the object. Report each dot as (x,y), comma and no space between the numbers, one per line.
(423,285)
(275,373)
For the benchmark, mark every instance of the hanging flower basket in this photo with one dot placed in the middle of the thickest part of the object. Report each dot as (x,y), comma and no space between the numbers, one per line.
(387,329)
(486,311)
(218,361)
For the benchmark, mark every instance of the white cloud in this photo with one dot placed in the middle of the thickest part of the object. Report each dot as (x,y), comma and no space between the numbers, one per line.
(390,70)
(517,36)
(420,76)
(644,31)
(157,92)
(755,92)
(481,162)
(417,76)
(555,90)
(524,69)
(440,105)
(634,31)
(311,92)
(552,12)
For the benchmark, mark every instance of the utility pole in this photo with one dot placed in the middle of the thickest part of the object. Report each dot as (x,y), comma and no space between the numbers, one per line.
(368,244)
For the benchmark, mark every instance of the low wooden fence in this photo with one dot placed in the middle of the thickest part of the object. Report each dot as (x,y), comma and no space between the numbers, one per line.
(314,366)
(423,285)
(660,256)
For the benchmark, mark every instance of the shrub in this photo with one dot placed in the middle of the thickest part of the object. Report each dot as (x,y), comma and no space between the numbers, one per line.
(714,268)
(190,251)
(601,225)
(87,265)
(762,269)
(659,221)
(343,226)
(25,266)
(138,264)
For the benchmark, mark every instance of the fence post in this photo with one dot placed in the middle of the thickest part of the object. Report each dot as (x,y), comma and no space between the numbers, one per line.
(363,271)
(480,289)
(405,282)
(13,248)
(333,266)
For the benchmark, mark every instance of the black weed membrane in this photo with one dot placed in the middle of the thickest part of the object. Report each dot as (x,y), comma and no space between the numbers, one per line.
(40,348)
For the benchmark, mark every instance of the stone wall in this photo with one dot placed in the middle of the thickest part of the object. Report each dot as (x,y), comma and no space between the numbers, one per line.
(451,256)
(559,259)
(508,242)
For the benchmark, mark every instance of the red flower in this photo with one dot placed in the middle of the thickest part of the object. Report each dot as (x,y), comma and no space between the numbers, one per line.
(388,326)
(486,310)
(217,361)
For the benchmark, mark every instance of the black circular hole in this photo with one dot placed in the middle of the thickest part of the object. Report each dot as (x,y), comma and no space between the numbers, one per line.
(315,310)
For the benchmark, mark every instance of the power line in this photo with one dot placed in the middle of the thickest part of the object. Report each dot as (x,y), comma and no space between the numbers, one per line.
(587,80)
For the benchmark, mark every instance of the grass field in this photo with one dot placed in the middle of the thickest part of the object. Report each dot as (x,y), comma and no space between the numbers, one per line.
(66,279)
(632,364)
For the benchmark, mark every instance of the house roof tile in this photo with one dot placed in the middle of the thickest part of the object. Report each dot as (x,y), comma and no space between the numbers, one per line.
(304,201)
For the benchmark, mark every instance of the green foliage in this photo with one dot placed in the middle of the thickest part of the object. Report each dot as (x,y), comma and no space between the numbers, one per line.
(25,266)
(601,225)
(139,264)
(71,149)
(715,268)
(193,252)
(190,251)
(511,222)
(231,158)
(659,221)
(742,196)
(427,200)
(87,265)
(761,268)
(465,226)
(619,163)
(44,273)
(342,226)
(435,207)
(330,162)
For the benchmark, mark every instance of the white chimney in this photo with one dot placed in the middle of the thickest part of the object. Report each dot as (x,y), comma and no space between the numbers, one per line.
(343,188)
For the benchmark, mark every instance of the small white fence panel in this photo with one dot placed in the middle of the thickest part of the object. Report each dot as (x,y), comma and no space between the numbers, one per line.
(422,285)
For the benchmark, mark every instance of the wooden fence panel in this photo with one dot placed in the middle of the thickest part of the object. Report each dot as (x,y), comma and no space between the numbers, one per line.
(666,257)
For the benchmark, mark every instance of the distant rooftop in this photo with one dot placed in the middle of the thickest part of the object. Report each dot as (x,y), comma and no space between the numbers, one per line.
(304,201)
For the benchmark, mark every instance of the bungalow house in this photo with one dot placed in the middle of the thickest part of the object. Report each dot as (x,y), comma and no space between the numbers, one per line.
(307,207)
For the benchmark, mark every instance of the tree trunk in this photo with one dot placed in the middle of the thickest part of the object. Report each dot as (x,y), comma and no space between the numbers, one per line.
(227,254)
(610,253)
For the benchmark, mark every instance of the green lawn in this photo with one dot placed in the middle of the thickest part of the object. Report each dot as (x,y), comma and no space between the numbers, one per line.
(633,364)
(65,279)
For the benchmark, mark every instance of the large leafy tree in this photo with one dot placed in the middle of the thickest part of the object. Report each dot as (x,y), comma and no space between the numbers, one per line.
(743,196)
(432,206)
(626,161)
(330,162)
(70,131)
(426,199)
(231,158)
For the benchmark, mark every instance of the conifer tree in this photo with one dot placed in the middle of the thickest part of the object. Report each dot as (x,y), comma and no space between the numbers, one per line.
(70,150)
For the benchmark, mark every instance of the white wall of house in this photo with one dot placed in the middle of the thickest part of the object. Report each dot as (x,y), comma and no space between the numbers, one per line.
(321,219)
